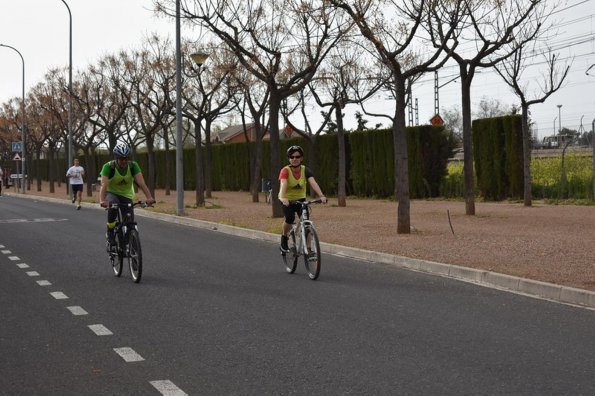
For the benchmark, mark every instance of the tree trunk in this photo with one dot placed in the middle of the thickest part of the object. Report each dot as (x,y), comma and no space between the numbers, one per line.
(257,162)
(274,103)
(167,184)
(467,143)
(208,160)
(38,168)
(526,155)
(200,187)
(51,153)
(401,161)
(341,191)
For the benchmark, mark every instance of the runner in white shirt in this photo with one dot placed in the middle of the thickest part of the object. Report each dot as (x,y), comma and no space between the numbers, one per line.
(76,173)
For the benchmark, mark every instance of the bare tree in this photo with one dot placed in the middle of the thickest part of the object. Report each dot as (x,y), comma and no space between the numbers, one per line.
(393,28)
(280,42)
(150,74)
(512,72)
(206,95)
(342,81)
(495,29)
(105,98)
(253,94)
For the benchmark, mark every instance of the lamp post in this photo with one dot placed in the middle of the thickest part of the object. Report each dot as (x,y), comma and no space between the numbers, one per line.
(69,161)
(22,116)
(179,143)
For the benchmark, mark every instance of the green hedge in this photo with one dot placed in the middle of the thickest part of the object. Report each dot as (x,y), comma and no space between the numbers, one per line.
(369,156)
(498,157)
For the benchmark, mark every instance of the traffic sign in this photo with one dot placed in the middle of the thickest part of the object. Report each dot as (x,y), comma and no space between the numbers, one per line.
(17,147)
(16,157)
(437,121)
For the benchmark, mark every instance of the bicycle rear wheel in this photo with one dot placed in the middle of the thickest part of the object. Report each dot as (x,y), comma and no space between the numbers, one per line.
(312,259)
(290,258)
(135,256)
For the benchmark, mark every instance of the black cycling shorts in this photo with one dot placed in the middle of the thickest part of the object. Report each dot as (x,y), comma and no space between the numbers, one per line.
(290,211)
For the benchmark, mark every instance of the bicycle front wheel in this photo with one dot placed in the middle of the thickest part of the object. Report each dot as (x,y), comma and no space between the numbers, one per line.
(290,258)
(116,258)
(135,256)
(312,259)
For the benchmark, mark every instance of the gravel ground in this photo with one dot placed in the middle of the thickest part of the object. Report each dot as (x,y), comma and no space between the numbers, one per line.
(550,243)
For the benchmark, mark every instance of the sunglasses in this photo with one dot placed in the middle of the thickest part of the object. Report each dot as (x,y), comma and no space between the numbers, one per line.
(295,156)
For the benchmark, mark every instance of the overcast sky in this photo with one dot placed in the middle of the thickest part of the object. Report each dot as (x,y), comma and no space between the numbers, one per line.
(39,30)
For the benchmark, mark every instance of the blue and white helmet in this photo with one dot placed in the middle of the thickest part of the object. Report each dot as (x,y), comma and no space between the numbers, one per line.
(121,150)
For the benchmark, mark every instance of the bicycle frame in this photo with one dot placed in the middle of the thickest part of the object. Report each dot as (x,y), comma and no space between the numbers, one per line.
(299,230)
(123,227)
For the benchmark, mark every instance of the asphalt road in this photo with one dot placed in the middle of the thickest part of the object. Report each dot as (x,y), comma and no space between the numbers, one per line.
(217,315)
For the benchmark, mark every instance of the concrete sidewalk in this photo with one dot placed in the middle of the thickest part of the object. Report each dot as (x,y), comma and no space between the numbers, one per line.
(526,287)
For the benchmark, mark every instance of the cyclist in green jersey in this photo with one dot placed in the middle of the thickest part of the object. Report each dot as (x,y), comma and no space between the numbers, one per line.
(117,179)
(293,179)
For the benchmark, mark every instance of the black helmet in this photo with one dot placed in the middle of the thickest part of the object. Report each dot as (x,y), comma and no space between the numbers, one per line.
(293,149)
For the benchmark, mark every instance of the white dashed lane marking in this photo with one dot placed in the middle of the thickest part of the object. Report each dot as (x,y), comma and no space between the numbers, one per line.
(167,388)
(76,310)
(100,330)
(59,295)
(128,354)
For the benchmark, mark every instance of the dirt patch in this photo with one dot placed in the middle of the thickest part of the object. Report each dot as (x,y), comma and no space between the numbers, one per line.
(550,243)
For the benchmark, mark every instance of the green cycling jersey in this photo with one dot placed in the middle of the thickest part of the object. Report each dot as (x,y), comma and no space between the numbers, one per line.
(121,180)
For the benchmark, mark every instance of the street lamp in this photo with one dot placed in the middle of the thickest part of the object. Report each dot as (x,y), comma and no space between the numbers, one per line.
(69,95)
(199,58)
(22,116)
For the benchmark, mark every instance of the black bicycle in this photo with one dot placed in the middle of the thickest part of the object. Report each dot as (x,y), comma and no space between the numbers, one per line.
(127,243)
(303,241)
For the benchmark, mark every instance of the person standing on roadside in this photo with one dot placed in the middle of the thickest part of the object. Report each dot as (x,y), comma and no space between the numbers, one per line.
(76,173)
(294,178)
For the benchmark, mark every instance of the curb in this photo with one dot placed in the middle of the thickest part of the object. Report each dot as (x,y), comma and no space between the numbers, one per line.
(528,287)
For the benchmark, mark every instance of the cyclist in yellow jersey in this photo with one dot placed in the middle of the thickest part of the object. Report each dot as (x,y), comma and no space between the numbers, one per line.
(117,179)
(293,178)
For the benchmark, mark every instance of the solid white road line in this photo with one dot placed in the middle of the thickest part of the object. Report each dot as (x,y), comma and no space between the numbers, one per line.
(76,310)
(44,283)
(100,330)
(59,295)
(23,265)
(167,388)
(32,273)
(128,354)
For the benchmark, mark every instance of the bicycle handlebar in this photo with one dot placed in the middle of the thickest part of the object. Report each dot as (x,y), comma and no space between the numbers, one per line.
(306,203)
(115,205)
